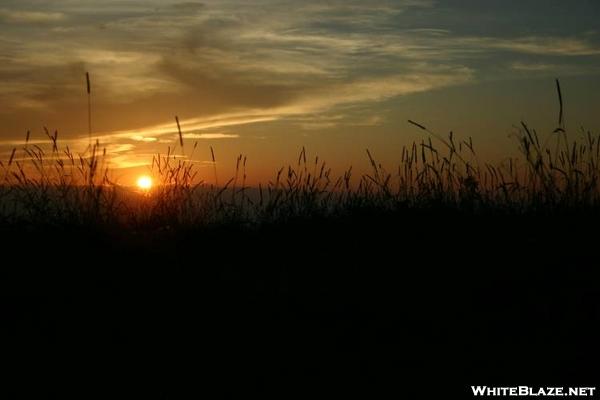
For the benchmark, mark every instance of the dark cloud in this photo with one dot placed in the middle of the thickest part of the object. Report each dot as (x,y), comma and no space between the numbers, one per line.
(221,89)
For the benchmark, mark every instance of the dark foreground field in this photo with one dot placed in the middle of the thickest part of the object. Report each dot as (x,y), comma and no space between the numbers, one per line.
(412,303)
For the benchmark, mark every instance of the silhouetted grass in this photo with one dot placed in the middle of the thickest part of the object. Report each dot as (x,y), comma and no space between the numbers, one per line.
(557,172)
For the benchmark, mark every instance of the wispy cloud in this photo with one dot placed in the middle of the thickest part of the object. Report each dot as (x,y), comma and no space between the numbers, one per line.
(226,63)
(549,46)
(215,135)
(521,66)
(19,16)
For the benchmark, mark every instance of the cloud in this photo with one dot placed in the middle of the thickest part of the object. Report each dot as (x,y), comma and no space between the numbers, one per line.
(550,46)
(140,138)
(219,64)
(30,17)
(210,136)
(552,70)
(520,66)
(313,101)
(375,89)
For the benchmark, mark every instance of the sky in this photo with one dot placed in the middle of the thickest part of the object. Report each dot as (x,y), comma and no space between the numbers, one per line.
(266,77)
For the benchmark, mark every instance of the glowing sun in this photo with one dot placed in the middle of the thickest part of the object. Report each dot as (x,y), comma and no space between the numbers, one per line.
(144,182)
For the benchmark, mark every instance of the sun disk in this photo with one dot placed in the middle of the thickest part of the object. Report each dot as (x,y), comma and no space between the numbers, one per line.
(144,182)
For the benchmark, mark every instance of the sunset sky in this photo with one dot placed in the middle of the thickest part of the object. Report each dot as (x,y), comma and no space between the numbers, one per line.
(266,77)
